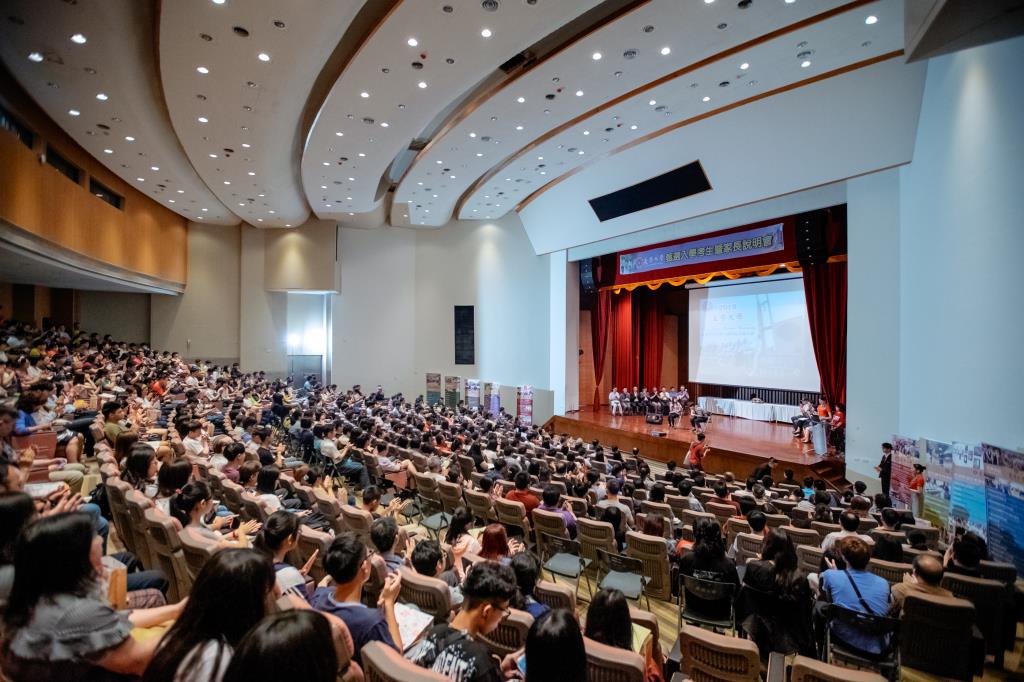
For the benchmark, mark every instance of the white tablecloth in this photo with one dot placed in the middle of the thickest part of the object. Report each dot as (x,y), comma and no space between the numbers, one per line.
(765,412)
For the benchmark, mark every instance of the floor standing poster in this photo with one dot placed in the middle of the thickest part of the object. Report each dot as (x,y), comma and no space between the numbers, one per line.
(1004,492)
(524,404)
(451,391)
(905,454)
(968,510)
(433,388)
(473,394)
(492,399)
(938,479)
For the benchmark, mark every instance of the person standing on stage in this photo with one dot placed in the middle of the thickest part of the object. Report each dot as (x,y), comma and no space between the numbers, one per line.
(698,451)
(884,467)
(615,401)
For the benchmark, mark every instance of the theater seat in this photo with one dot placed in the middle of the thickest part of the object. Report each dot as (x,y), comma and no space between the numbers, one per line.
(381,663)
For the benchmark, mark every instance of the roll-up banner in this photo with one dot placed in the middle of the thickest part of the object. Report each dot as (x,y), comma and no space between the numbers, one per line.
(473,394)
(524,404)
(451,391)
(433,388)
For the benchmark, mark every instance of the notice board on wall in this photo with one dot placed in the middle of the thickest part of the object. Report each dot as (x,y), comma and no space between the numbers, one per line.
(465,335)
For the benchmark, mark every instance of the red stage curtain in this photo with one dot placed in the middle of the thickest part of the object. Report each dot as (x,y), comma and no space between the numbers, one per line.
(825,290)
(623,356)
(600,316)
(652,312)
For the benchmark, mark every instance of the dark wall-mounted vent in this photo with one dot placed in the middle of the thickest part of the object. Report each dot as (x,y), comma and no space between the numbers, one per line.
(680,183)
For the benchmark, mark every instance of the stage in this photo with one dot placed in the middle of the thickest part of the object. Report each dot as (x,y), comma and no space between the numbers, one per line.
(737,445)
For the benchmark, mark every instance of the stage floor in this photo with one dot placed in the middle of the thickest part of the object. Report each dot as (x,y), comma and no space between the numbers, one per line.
(754,438)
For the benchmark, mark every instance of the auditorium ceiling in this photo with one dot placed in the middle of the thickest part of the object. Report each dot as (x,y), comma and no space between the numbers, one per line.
(415,112)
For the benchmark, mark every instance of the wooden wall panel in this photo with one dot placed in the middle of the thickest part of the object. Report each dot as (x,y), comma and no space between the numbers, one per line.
(144,237)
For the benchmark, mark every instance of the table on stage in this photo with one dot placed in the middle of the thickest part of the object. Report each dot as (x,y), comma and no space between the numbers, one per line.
(745,409)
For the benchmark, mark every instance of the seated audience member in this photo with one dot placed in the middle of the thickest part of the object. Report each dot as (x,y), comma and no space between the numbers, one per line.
(776,573)
(685,489)
(707,561)
(170,479)
(454,649)
(459,538)
(232,592)
(918,540)
(289,645)
(192,506)
(279,536)
(758,526)
(849,522)
(235,454)
(140,469)
(496,546)
(887,549)
(428,560)
(722,497)
(527,572)
(551,496)
(802,502)
(765,469)
(890,519)
(788,477)
(521,493)
(857,589)
(926,578)
(965,555)
(613,515)
(384,536)
(613,500)
(57,624)
(608,620)
(657,526)
(347,564)
(554,649)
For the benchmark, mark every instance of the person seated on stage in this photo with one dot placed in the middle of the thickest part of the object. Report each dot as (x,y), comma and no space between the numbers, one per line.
(675,410)
(823,411)
(698,451)
(685,488)
(838,419)
(803,419)
(755,398)
(698,418)
(722,496)
(765,469)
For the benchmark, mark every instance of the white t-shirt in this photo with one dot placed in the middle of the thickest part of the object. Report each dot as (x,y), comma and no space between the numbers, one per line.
(193,446)
(208,665)
(270,501)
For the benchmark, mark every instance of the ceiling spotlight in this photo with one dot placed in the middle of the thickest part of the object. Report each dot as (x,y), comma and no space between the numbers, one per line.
(632,127)
(127,138)
(141,179)
(288,225)
(519,127)
(586,132)
(35,57)
(227,182)
(102,96)
(708,2)
(790,2)
(422,85)
(439,162)
(339,134)
(203,70)
(252,172)
(412,42)
(154,168)
(486,33)
(170,201)
(744,66)
(263,57)
(596,56)
(246,145)
(259,220)
(653,102)
(451,177)
(181,191)
(74,112)
(261,195)
(217,2)
(204,210)
(579,93)
(805,63)
(383,124)
(203,119)
(705,98)
(108,151)
(213,156)
(472,134)
(540,158)
(362,154)
(271,212)
(871,20)
(327,163)
(329,205)
(364,95)
(351,179)
(323,186)
(520,99)
(580,152)
(479,154)
(666,50)
(78,39)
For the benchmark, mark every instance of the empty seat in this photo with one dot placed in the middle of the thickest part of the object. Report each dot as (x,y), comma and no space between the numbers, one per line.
(431,595)
(167,554)
(810,670)
(707,656)
(893,571)
(650,549)
(381,663)
(358,521)
(555,595)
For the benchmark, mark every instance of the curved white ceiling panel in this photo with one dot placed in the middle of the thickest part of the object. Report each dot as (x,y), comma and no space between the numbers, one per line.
(236,77)
(652,42)
(421,58)
(91,67)
(775,64)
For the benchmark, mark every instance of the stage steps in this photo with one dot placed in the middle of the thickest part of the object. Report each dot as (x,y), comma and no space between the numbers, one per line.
(833,471)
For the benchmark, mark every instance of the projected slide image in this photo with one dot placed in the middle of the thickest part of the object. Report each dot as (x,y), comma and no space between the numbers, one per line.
(752,335)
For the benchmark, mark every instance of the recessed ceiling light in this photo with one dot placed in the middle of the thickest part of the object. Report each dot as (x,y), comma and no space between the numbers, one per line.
(141,179)
(203,119)
(540,158)
(362,154)
(181,191)
(128,138)
(596,56)
(35,57)
(227,182)
(452,177)
(790,2)
(744,66)
(198,217)
(653,102)
(329,205)
(586,132)
(327,163)
(263,57)
(213,156)
(154,168)
(666,50)
(579,93)
(246,145)
(204,210)
(543,173)
(383,124)
(519,127)
(422,85)
(420,184)
(364,95)
(439,162)
(101,96)
(472,134)
(74,112)
(412,42)
(580,152)
(271,212)
(78,39)
(486,33)
(872,19)
(252,172)
(632,127)
(520,99)
(170,201)
(203,70)
(705,98)
(708,2)
(479,154)
(323,186)
(241,203)
(261,195)
(287,224)
(218,2)
(108,151)
(351,179)
(804,64)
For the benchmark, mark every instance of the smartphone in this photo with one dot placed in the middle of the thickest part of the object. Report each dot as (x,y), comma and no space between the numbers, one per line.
(521,664)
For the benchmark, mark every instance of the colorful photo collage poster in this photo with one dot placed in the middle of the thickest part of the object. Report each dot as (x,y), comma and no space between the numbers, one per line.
(905,453)
(1004,493)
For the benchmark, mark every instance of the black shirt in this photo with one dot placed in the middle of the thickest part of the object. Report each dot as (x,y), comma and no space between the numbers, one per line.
(456,655)
(718,569)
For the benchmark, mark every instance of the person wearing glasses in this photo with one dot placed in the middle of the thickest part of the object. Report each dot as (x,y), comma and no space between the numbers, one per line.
(455,649)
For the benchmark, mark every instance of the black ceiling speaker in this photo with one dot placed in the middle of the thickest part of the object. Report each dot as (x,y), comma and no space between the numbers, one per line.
(676,184)
(587,282)
(811,244)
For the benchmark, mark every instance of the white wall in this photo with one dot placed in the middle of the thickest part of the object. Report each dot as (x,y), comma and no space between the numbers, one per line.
(204,321)
(961,202)
(263,317)
(307,329)
(125,316)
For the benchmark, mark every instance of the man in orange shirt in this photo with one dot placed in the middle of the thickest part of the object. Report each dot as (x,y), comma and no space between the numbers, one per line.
(521,493)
